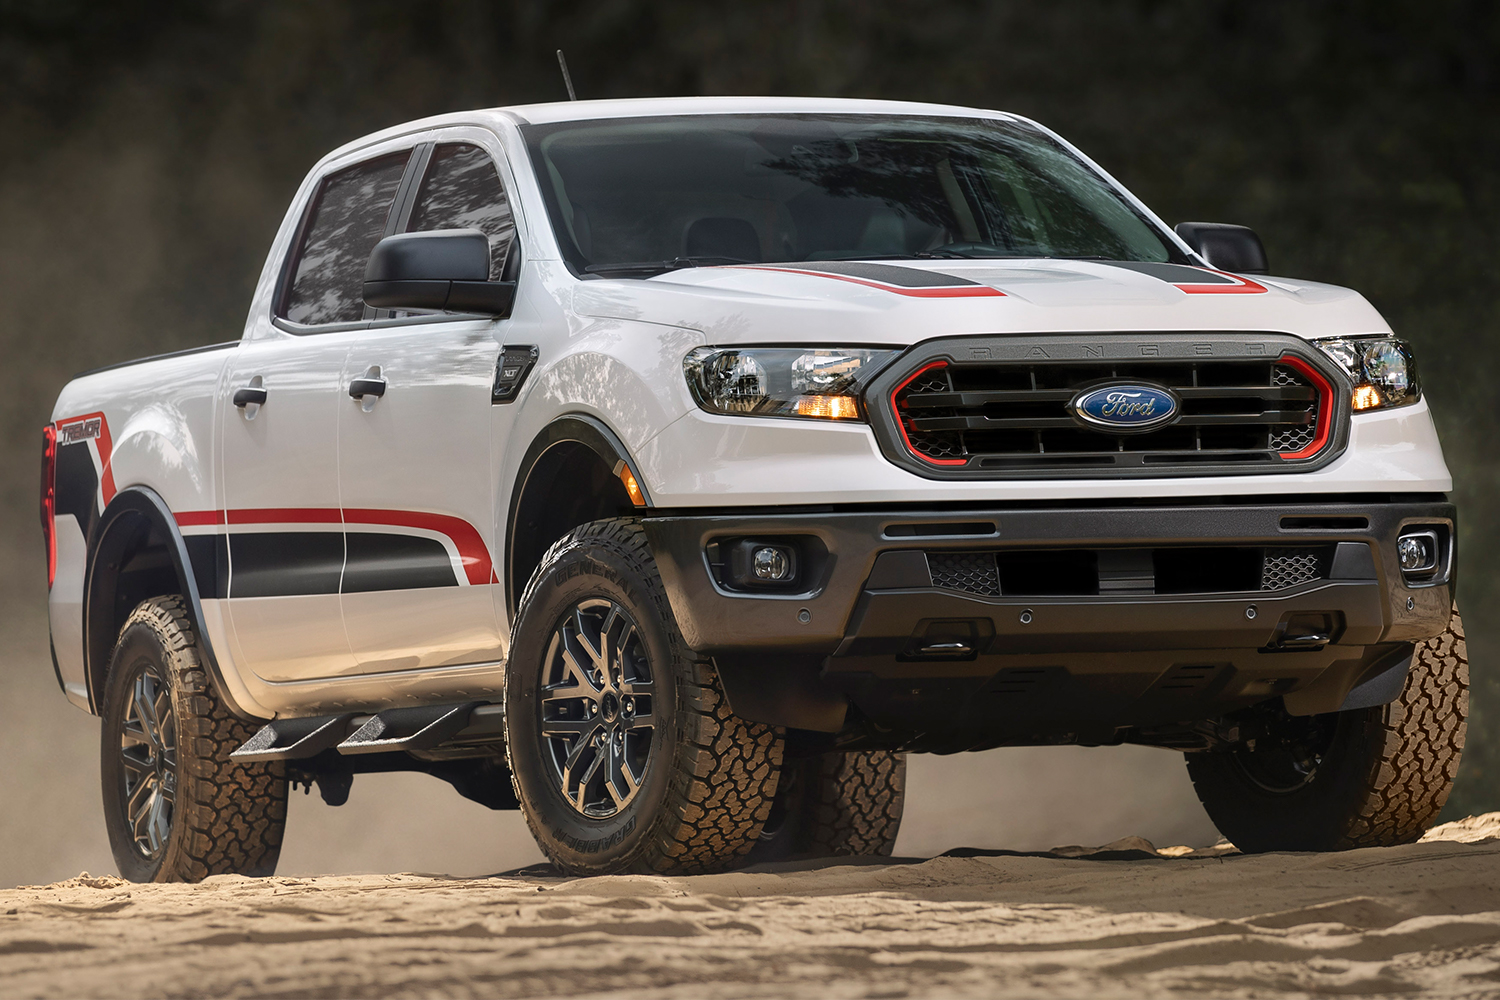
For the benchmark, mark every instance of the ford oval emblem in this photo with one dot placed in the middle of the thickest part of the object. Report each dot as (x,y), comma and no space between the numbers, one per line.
(1125,407)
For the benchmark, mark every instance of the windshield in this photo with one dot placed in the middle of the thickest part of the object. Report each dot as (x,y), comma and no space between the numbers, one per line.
(783,188)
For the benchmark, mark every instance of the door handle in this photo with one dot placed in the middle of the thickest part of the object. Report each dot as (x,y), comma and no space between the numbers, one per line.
(362,387)
(251,395)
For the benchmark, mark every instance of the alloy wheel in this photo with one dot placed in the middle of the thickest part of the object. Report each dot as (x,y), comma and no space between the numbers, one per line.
(597,725)
(148,750)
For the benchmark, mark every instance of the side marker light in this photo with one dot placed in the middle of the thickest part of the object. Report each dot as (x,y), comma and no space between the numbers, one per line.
(631,486)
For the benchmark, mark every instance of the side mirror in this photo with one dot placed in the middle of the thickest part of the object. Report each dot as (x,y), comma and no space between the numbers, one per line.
(1229,248)
(444,269)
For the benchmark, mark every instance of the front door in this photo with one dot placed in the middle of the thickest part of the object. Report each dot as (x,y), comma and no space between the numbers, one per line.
(414,462)
(282,512)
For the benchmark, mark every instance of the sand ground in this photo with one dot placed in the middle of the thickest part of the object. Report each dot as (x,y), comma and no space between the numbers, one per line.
(1122,921)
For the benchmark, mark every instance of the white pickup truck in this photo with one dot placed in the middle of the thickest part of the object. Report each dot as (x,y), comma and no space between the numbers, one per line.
(669,469)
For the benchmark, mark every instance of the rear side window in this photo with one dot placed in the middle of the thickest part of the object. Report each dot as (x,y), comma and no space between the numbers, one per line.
(463,191)
(348,218)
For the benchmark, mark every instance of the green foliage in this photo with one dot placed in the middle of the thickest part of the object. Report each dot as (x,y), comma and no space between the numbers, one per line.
(152,148)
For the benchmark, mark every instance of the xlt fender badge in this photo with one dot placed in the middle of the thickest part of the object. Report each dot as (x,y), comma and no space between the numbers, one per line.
(1125,407)
(511,369)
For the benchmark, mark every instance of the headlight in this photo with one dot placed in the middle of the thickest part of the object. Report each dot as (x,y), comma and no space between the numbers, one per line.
(1384,369)
(821,383)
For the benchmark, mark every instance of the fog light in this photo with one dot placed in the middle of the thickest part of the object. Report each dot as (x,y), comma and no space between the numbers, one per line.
(771,564)
(1417,553)
(761,563)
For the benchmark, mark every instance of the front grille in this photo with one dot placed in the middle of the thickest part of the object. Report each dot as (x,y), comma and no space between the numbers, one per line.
(1001,418)
(1169,570)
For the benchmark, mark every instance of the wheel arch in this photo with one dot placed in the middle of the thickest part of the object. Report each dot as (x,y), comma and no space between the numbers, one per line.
(569,476)
(135,553)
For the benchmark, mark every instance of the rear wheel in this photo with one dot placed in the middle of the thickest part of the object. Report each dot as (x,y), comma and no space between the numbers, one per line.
(835,804)
(177,808)
(1372,777)
(623,749)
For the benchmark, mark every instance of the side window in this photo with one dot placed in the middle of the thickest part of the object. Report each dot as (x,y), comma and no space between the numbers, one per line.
(463,191)
(349,217)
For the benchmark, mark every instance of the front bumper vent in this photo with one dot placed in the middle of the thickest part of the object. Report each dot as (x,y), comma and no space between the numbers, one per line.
(1174,570)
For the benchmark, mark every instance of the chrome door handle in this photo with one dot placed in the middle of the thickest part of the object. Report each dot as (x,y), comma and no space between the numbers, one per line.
(249,396)
(362,387)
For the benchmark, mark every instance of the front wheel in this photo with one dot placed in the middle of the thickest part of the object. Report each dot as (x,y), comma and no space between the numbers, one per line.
(622,747)
(1373,777)
(177,808)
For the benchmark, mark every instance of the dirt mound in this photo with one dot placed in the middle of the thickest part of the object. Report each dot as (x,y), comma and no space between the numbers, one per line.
(1121,920)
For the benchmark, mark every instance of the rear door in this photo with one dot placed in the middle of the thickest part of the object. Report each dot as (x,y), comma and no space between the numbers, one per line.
(414,463)
(282,520)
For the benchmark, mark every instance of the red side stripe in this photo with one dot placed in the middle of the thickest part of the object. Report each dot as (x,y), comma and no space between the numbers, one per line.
(196,518)
(472,551)
(286,515)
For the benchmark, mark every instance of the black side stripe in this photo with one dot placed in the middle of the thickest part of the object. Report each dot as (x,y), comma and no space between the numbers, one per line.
(379,561)
(284,564)
(301,563)
(77,485)
(209,555)
(889,274)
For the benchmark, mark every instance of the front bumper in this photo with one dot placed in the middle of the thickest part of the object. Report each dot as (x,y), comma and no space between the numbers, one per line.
(948,657)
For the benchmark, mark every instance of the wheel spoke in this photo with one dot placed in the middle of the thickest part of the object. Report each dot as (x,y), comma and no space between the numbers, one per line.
(160,821)
(581,636)
(143,700)
(135,764)
(595,708)
(587,778)
(636,687)
(569,727)
(574,663)
(133,733)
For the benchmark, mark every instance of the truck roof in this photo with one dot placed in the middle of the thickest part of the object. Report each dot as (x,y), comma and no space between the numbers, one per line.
(641,107)
(561,111)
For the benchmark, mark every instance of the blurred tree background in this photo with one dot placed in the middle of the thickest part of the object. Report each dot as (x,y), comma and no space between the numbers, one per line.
(152,147)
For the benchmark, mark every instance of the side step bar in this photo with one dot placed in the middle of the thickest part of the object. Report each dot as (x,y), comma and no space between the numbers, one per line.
(294,739)
(420,727)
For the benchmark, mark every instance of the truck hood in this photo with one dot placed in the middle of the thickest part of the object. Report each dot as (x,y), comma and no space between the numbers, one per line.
(886,302)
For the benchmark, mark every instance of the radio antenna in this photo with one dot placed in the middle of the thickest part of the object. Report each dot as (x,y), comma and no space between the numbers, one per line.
(562,64)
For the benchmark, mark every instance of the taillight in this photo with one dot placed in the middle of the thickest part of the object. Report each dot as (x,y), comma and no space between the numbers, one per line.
(49,500)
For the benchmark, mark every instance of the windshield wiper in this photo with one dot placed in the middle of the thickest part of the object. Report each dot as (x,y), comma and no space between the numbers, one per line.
(647,268)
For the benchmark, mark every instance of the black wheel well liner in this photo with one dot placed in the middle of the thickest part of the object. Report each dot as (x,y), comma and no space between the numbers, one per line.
(568,477)
(135,552)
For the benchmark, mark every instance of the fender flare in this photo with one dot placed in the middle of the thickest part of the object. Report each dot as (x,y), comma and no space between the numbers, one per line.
(133,508)
(572,428)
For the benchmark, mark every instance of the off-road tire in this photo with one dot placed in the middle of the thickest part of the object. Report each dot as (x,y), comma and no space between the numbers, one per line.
(711,777)
(835,805)
(1386,775)
(227,817)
